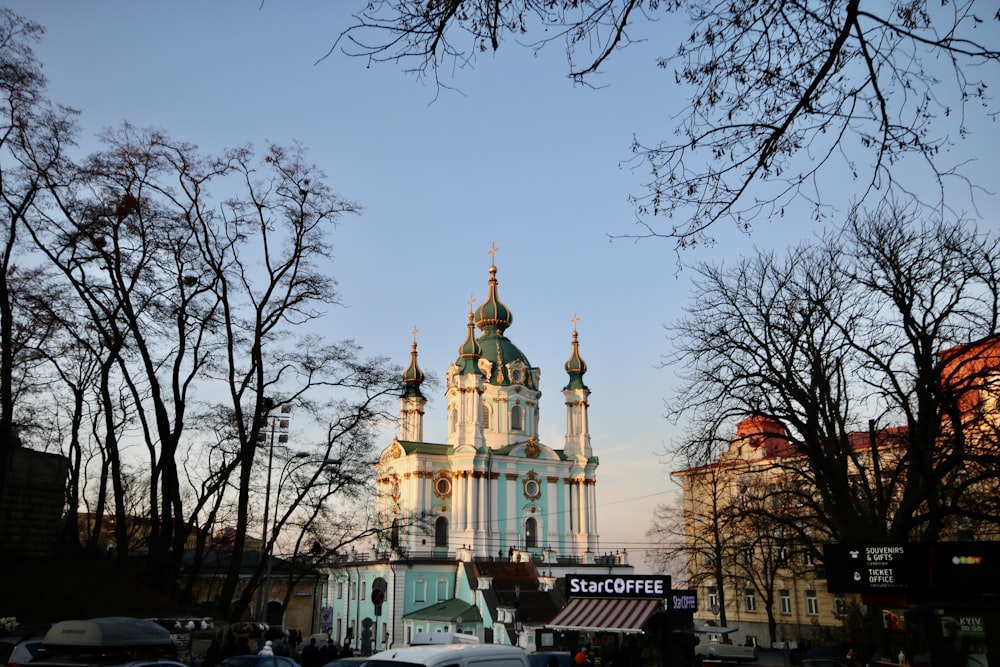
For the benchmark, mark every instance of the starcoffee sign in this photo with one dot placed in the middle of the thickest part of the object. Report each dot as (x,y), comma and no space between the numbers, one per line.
(617,586)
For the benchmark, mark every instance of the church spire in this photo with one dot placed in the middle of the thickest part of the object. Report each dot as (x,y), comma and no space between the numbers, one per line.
(577,401)
(413,377)
(412,401)
(493,313)
(575,365)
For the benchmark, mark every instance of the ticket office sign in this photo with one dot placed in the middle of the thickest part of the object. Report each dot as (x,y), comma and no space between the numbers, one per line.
(886,568)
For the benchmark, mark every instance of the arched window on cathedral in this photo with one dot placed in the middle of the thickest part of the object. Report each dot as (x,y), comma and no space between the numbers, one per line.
(517,418)
(441,532)
(530,533)
(394,534)
(453,419)
(486,417)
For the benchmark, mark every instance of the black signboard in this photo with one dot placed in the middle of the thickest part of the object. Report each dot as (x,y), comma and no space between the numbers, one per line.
(617,586)
(941,568)
(875,568)
(962,568)
(686,600)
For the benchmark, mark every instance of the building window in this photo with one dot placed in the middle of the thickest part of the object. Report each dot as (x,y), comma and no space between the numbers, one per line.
(839,607)
(812,603)
(352,589)
(362,589)
(453,420)
(486,417)
(394,534)
(785,601)
(749,600)
(441,532)
(517,418)
(747,549)
(807,558)
(340,590)
(713,598)
(420,590)
(442,590)
(530,533)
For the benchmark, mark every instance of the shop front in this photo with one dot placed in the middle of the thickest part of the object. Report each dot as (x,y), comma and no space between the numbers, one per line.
(623,621)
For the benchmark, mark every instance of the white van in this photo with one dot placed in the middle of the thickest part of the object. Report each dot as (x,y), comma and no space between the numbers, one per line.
(451,655)
(424,638)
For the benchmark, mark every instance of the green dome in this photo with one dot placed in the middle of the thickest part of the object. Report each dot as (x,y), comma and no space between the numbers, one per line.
(575,365)
(493,313)
(469,351)
(413,376)
(493,318)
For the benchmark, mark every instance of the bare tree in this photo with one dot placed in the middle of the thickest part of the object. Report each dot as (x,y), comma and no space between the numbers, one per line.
(884,330)
(700,533)
(783,94)
(33,137)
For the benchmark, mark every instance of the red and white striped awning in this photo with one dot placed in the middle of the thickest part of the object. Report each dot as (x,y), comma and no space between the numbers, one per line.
(605,614)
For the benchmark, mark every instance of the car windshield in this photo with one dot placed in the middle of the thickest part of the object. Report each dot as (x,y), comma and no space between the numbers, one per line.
(241,661)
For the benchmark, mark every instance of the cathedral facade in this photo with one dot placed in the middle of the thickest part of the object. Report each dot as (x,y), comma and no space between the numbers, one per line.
(493,486)
(475,531)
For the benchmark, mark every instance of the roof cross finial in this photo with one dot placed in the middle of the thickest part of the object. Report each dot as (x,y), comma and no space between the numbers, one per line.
(414,333)
(575,320)
(472,301)
(493,253)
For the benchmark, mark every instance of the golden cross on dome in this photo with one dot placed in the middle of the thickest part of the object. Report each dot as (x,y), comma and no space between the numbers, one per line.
(575,320)
(414,333)
(493,253)
(472,301)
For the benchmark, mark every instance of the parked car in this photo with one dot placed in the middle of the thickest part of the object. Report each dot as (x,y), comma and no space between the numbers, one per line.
(450,655)
(425,638)
(350,661)
(551,659)
(20,647)
(258,661)
(107,642)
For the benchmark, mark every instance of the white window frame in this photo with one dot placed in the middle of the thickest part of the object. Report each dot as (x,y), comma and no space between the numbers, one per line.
(785,601)
(420,590)
(812,603)
(749,600)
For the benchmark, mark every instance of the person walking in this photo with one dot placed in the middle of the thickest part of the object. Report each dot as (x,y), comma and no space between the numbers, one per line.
(310,654)
(266,649)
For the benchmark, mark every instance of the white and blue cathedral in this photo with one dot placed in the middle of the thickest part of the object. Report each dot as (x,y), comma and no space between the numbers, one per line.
(476,530)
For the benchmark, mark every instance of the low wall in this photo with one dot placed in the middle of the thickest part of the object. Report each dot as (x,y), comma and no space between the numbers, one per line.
(32,503)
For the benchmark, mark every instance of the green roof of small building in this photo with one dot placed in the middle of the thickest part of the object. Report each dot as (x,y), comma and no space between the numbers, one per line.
(447,611)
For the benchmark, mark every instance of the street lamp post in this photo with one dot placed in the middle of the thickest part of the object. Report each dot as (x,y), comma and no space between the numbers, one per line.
(279,428)
(286,472)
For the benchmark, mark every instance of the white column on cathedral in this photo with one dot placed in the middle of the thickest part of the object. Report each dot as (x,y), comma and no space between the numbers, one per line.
(551,509)
(482,519)
(589,490)
(458,500)
(512,516)
(568,499)
(581,504)
(473,496)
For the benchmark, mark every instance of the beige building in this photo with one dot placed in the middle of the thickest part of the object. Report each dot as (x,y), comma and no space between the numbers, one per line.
(749,571)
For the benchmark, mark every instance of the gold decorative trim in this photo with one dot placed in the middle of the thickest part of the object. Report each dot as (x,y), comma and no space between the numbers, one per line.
(532,450)
(531,481)
(442,484)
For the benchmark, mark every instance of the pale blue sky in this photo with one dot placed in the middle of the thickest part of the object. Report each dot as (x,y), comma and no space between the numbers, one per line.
(520,157)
